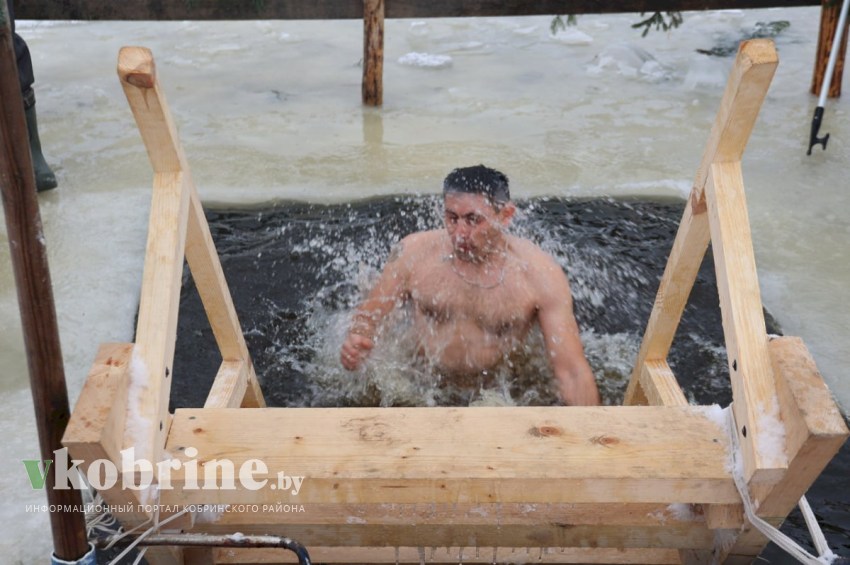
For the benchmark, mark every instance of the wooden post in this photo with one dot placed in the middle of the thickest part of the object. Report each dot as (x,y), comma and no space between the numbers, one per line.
(745,90)
(373,52)
(829,12)
(35,296)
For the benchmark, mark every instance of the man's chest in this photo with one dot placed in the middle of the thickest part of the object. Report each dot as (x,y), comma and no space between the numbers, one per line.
(503,305)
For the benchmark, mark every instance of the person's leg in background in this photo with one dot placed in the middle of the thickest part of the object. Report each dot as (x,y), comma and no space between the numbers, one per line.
(44,177)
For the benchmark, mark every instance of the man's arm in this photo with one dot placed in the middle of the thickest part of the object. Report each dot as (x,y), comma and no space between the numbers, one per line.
(383,297)
(575,380)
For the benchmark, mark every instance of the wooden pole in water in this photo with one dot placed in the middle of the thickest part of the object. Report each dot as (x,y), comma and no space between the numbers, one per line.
(373,52)
(829,14)
(35,296)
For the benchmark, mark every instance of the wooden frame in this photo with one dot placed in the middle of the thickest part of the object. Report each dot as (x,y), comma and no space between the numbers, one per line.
(648,482)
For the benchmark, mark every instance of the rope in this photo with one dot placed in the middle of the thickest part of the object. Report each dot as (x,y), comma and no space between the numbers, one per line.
(153,528)
(825,557)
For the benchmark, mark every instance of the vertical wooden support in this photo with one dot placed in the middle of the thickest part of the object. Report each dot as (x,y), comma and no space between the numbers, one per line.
(756,401)
(745,90)
(829,12)
(156,330)
(373,52)
(35,296)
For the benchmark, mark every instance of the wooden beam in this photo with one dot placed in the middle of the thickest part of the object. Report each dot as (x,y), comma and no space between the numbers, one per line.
(229,386)
(815,431)
(453,555)
(745,91)
(483,535)
(346,9)
(212,286)
(756,404)
(373,52)
(683,264)
(156,329)
(213,289)
(28,253)
(96,431)
(623,515)
(505,524)
(96,428)
(414,455)
(177,218)
(137,72)
(660,386)
(101,411)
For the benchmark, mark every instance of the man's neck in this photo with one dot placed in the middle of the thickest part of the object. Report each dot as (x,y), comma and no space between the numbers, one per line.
(493,255)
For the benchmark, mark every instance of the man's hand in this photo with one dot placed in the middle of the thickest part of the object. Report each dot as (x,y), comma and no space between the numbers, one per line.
(355,350)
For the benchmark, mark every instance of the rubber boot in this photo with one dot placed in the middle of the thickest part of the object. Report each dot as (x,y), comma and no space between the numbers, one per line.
(44,177)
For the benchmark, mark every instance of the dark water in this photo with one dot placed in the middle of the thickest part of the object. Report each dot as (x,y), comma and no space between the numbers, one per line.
(295,270)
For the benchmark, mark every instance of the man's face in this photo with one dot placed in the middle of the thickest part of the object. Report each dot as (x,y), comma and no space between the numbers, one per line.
(474,226)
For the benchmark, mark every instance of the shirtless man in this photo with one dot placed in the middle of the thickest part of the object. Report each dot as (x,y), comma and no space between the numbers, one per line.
(476,291)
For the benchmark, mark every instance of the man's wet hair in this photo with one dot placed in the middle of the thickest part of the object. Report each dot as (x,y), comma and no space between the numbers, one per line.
(479,180)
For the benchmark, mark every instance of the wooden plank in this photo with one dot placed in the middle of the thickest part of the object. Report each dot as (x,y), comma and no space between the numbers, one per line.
(96,428)
(724,516)
(253,393)
(745,91)
(200,556)
(137,73)
(815,431)
(660,385)
(212,285)
(100,413)
(453,555)
(346,9)
(96,431)
(214,291)
(373,52)
(505,524)
(156,328)
(683,264)
(756,404)
(468,514)
(414,455)
(229,386)
(484,535)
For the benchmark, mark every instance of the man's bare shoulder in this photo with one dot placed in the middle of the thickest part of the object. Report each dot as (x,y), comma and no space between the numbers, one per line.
(529,253)
(427,238)
(541,269)
(417,246)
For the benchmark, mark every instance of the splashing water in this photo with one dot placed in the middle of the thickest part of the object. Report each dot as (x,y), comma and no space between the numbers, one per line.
(297,272)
